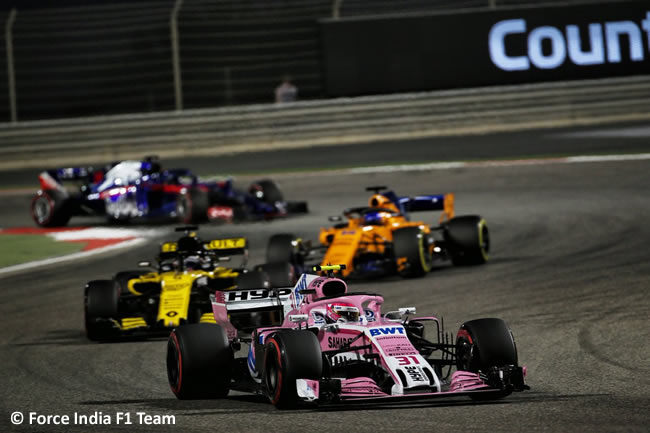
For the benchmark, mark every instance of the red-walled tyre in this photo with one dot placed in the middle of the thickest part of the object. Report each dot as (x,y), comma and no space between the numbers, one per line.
(192,206)
(290,355)
(482,344)
(199,361)
(49,209)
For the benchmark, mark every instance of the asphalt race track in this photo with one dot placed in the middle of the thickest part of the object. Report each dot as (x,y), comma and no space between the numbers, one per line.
(580,140)
(570,273)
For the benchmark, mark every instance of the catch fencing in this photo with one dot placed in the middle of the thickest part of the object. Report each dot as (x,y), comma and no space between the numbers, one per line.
(93,57)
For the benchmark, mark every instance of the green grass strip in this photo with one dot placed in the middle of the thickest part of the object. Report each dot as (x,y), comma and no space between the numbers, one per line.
(16,249)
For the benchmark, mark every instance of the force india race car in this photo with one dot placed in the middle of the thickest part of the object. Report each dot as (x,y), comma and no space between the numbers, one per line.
(142,190)
(380,238)
(145,303)
(320,343)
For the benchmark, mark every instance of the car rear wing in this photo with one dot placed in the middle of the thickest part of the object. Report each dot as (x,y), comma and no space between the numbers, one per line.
(246,310)
(222,247)
(431,202)
(227,247)
(252,299)
(53,179)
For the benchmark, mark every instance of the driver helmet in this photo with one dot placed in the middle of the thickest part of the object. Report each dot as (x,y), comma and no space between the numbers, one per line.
(373,218)
(170,264)
(341,312)
(192,263)
(206,263)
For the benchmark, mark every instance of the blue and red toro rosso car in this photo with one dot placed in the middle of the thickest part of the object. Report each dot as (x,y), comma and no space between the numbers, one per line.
(142,190)
(319,343)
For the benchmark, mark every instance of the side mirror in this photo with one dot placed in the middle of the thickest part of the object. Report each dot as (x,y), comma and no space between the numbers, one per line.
(144,264)
(298,318)
(397,316)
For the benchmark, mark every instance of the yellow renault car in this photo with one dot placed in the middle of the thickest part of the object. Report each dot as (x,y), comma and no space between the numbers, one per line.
(144,303)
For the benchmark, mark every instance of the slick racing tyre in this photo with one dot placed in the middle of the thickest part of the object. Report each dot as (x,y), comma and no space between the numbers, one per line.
(482,344)
(101,299)
(412,256)
(290,355)
(253,280)
(122,278)
(280,274)
(267,191)
(283,248)
(192,207)
(199,361)
(50,209)
(297,207)
(468,240)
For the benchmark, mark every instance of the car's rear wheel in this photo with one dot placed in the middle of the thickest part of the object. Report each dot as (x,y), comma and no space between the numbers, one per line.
(192,206)
(290,355)
(468,240)
(267,191)
(50,209)
(199,361)
(297,207)
(101,299)
(253,280)
(282,248)
(412,257)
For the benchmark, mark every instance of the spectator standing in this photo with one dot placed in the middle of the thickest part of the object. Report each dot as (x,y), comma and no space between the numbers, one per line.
(286,91)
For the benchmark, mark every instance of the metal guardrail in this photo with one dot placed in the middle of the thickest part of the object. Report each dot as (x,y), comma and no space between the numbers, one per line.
(309,123)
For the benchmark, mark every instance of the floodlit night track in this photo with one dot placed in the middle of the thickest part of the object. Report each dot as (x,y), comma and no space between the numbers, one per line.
(569,272)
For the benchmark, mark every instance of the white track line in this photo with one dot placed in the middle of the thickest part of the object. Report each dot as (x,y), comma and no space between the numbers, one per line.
(103,233)
(496,163)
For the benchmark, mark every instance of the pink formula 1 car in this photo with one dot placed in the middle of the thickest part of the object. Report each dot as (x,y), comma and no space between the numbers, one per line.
(317,342)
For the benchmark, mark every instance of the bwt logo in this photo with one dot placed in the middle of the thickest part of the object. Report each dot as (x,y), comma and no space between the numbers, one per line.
(600,36)
(386,331)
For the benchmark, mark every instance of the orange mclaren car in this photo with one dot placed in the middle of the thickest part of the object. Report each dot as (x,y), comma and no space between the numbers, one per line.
(381,238)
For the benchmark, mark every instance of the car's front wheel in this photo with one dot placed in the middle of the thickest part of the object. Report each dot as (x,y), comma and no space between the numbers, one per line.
(412,257)
(101,299)
(290,355)
(483,344)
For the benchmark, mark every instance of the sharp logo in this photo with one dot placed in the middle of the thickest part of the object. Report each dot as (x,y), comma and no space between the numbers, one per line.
(603,44)
(252,295)
(386,331)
